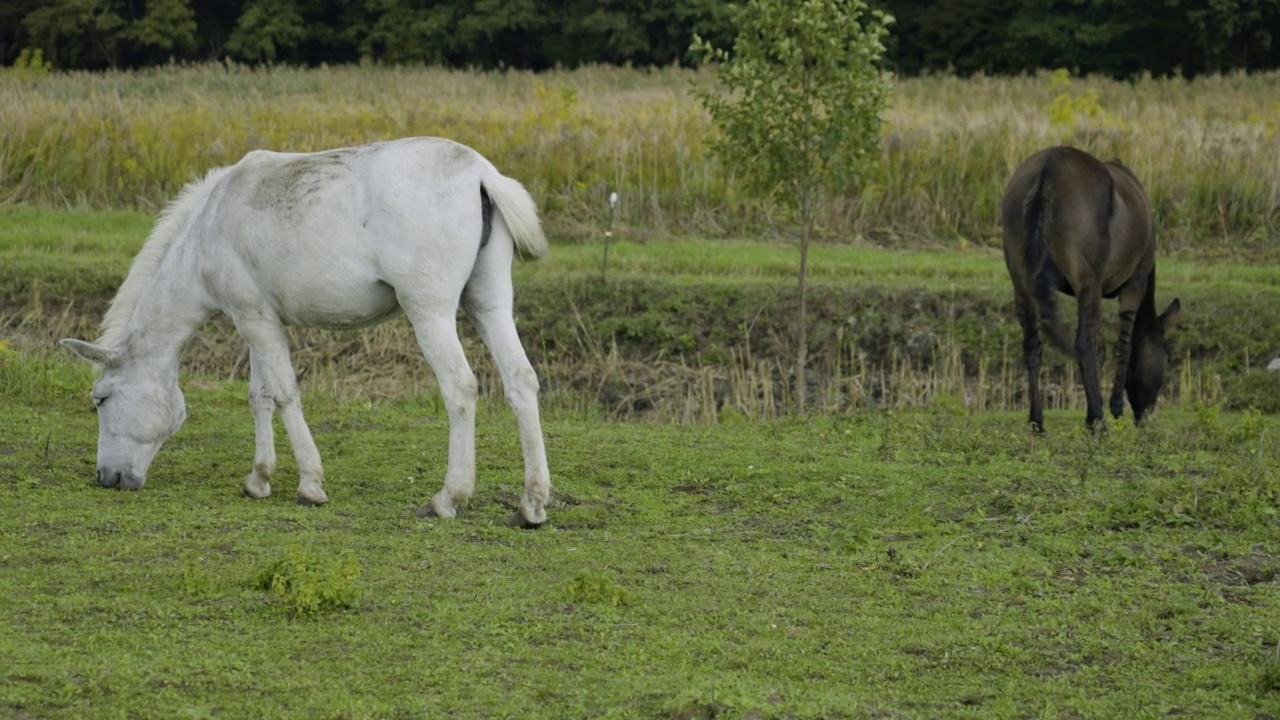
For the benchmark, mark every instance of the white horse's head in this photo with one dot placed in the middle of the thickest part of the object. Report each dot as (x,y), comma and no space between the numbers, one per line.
(139,407)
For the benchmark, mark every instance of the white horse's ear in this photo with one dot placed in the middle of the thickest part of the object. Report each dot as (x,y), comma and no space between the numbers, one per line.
(95,354)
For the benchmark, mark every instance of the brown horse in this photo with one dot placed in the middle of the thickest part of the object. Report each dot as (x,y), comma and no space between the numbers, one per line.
(1077,225)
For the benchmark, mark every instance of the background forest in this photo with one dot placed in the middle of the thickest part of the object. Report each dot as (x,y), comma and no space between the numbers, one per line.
(1119,38)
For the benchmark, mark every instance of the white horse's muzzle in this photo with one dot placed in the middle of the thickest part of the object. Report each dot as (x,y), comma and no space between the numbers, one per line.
(128,480)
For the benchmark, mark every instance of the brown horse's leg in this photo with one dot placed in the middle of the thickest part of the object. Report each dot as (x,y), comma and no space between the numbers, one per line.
(1130,299)
(1026,309)
(1089,302)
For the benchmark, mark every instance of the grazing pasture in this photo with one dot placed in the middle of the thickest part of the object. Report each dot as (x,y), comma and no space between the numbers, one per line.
(898,564)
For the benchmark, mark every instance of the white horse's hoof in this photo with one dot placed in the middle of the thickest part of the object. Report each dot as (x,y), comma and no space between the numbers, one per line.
(441,506)
(311,493)
(431,511)
(314,497)
(256,489)
(519,521)
(528,515)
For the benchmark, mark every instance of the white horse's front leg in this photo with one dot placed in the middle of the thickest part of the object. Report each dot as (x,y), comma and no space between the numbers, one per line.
(438,337)
(277,388)
(258,484)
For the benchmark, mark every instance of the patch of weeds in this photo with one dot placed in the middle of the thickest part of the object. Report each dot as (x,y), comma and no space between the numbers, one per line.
(1248,433)
(1121,556)
(907,433)
(1268,680)
(308,583)
(844,539)
(1210,427)
(581,517)
(1147,511)
(41,377)
(1252,569)
(1084,453)
(597,588)
(1256,391)
(195,581)
(721,697)
(899,566)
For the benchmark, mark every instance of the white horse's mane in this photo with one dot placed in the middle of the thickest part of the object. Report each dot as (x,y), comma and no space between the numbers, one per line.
(170,222)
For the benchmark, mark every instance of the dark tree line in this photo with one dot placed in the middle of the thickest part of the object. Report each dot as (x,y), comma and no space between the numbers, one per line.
(1120,38)
(1114,37)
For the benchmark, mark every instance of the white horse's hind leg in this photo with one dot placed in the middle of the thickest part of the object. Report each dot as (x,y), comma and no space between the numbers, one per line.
(258,484)
(437,333)
(276,384)
(489,301)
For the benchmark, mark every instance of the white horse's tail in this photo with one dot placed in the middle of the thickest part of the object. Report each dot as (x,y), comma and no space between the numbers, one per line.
(520,214)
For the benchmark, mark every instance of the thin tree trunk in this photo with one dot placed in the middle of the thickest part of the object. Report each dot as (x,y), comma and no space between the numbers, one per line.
(806,190)
(802,352)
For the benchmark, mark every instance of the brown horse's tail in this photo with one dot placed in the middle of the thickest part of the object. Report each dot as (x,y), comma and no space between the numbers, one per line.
(1037,214)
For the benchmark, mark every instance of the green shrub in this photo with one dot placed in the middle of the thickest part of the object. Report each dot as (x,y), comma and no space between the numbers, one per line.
(597,588)
(309,583)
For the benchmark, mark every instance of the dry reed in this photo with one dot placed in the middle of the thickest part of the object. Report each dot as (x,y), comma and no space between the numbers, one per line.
(1208,149)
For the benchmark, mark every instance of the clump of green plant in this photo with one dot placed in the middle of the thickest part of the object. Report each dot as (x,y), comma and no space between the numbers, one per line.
(30,63)
(1269,674)
(309,583)
(597,588)
(195,581)
(1068,109)
(1257,390)
(40,376)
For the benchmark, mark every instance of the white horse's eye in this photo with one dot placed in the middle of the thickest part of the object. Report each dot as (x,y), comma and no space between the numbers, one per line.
(97,401)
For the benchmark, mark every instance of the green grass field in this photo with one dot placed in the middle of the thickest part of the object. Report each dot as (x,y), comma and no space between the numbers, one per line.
(54,244)
(914,564)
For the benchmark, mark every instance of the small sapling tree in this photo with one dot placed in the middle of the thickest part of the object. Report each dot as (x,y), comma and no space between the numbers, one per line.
(799,110)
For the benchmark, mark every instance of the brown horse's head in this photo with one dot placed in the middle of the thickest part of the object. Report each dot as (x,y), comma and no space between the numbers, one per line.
(1149,359)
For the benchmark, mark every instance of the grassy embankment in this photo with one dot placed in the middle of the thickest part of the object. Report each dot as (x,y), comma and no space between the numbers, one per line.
(868,564)
(690,330)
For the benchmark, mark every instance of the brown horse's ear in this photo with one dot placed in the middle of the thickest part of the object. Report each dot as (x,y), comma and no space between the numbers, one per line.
(1169,318)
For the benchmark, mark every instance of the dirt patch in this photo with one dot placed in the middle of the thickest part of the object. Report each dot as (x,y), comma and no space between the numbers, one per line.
(1252,569)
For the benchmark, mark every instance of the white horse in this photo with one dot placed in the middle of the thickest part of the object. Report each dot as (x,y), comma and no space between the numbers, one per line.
(338,239)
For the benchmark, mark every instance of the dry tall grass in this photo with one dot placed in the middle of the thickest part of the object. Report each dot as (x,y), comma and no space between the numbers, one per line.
(383,362)
(1208,149)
